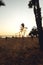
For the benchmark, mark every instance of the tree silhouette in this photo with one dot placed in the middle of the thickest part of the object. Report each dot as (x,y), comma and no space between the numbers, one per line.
(37,12)
(23,30)
(2,3)
(22,26)
(33,32)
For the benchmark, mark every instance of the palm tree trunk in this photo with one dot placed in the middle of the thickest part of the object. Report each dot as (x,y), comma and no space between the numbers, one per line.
(38,18)
(37,13)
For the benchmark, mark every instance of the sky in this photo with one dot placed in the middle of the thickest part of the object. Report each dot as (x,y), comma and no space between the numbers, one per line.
(14,13)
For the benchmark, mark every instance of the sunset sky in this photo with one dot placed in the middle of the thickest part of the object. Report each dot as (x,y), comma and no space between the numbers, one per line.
(14,13)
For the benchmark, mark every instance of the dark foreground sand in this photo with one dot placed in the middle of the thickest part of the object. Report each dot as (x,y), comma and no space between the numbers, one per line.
(20,51)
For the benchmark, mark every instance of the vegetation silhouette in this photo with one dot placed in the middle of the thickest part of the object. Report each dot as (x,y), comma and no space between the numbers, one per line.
(33,33)
(2,3)
(23,29)
(38,18)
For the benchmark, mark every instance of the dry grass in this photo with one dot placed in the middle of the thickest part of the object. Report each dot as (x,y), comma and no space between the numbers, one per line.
(20,51)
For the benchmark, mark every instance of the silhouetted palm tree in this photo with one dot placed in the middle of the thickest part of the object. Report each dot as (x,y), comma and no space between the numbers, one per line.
(37,12)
